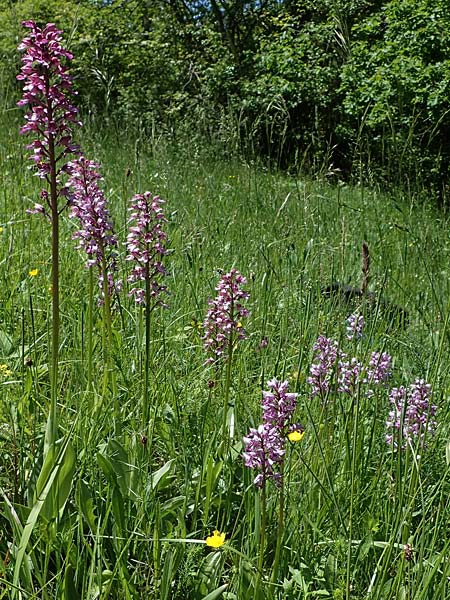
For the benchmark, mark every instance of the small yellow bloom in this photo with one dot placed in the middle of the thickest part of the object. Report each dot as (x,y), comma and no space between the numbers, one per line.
(33,272)
(296,436)
(5,371)
(238,325)
(1,229)
(216,540)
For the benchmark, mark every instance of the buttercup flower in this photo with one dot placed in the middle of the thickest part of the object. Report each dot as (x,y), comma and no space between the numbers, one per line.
(216,540)
(5,371)
(33,272)
(296,433)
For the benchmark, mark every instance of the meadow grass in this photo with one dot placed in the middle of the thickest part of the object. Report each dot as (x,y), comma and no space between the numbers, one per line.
(126,510)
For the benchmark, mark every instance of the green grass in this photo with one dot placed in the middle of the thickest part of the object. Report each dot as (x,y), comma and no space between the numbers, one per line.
(135,500)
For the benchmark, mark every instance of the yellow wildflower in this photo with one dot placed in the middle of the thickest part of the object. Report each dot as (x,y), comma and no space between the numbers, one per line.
(216,540)
(33,272)
(296,436)
(5,371)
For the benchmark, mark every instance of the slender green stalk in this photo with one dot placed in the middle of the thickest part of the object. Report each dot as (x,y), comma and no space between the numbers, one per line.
(262,542)
(90,326)
(226,395)
(53,417)
(280,530)
(148,312)
(109,373)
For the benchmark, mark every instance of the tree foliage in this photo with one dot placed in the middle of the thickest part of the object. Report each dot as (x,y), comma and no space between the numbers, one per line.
(361,86)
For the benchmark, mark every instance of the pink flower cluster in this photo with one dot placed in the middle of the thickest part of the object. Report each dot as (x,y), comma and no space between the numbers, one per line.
(146,245)
(323,365)
(355,327)
(334,370)
(411,418)
(222,323)
(278,404)
(47,91)
(88,205)
(264,451)
(265,446)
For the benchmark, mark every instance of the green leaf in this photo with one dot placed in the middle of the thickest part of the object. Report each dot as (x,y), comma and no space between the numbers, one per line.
(47,489)
(86,505)
(216,593)
(118,468)
(159,478)
(69,590)
(14,520)
(6,343)
(55,502)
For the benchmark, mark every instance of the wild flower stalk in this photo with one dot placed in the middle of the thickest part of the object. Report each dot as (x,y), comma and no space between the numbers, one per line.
(412,416)
(223,326)
(410,423)
(323,366)
(355,327)
(96,237)
(379,369)
(51,115)
(265,448)
(333,370)
(147,246)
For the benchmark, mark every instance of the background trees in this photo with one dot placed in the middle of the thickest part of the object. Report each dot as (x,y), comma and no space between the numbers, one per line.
(357,86)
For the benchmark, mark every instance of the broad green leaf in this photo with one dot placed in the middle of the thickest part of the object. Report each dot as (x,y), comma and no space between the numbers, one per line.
(10,512)
(55,502)
(86,504)
(37,508)
(69,589)
(6,343)
(216,593)
(159,477)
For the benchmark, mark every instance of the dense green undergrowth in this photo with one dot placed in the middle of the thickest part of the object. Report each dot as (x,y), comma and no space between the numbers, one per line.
(359,88)
(135,500)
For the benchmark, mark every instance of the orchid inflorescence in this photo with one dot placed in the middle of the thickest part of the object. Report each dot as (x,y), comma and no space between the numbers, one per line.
(95,236)
(47,92)
(222,324)
(355,327)
(332,369)
(412,417)
(146,246)
(265,446)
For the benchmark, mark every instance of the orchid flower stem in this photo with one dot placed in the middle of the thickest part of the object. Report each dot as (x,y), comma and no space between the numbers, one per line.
(53,416)
(90,324)
(227,391)
(47,92)
(109,378)
(148,313)
(262,541)
(280,530)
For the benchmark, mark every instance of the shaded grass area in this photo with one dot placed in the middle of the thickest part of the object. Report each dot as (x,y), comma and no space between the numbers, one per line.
(142,496)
